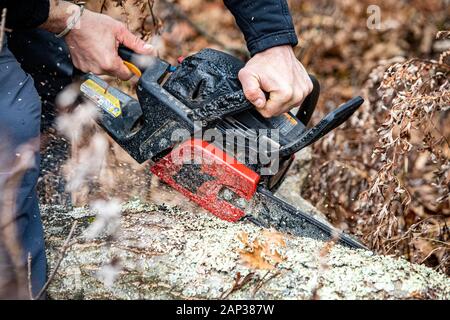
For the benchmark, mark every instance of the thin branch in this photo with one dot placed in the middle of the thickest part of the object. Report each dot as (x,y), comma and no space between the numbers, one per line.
(237,284)
(200,30)
(263,281)
(30,288)
(64,248)
(2,27)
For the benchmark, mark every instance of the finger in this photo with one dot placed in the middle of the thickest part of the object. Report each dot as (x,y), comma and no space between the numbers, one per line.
(121,71)
(252,89)
(135,43)
(279,101)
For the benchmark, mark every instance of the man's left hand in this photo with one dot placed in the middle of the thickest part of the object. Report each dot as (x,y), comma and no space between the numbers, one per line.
(275,71)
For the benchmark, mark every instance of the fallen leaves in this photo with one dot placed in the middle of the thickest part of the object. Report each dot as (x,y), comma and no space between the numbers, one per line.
(262,253)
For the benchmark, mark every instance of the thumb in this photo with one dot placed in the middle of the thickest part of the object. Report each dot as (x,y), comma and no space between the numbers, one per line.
(135,43)
(252,88)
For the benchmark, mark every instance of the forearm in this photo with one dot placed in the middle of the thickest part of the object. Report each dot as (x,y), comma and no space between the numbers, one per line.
(59,15)
(264,23)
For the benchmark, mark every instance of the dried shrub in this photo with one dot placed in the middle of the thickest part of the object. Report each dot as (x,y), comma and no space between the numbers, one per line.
(338,46)
(408,201)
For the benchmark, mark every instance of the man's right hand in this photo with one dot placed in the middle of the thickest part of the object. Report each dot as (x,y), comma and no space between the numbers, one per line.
(94,43)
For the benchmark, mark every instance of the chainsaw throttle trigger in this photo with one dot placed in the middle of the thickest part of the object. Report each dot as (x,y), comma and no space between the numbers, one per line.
(136,63)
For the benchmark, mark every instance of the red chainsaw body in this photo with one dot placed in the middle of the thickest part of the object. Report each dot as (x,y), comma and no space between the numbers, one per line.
(210,177)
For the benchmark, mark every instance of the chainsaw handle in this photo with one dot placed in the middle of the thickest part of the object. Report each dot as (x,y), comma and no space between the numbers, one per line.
(126,54)
(135,62)
(308,106)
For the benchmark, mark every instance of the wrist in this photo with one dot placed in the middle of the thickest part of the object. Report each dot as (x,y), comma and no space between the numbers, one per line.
(277,50)
(60,15)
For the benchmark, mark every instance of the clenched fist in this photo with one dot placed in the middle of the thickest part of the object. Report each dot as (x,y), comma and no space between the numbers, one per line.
(277,72)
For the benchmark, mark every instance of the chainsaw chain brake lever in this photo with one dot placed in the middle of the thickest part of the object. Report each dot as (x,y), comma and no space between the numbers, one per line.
(330,122)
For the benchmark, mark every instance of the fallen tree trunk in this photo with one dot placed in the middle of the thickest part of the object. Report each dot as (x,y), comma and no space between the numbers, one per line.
(162,252)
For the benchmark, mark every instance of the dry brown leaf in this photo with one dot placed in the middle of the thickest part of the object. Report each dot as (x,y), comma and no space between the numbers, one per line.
(262,253)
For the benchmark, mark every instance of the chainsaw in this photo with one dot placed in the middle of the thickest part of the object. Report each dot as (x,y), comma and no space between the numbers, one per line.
(203,138)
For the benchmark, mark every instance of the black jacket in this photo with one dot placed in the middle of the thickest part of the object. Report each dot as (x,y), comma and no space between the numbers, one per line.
(264,23)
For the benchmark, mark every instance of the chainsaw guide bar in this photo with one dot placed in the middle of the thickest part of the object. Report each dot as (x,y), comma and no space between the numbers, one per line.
(267,210)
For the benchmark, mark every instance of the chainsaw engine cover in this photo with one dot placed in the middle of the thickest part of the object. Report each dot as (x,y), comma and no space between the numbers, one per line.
(208,83)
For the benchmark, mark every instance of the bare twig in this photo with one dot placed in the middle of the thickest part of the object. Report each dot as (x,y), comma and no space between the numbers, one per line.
(323,257)
(202,32)
(238,284)
(9,184)
(263,281)
(30,286)
(151,3)
(62,254)
(2,27)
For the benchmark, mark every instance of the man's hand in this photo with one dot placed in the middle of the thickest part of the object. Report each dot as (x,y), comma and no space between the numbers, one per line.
(94,43)
(275,71)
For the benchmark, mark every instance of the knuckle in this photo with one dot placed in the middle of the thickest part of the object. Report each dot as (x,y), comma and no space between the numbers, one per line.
(267,113)
(135,40)
(270,110)
(286,94)
(95,70)
(107,66)
(251,94)
(297,99)
(121,30)
(125,75)
(242,73)
(121,27)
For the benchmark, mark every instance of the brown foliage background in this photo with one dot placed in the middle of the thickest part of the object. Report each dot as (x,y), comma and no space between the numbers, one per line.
(385,175)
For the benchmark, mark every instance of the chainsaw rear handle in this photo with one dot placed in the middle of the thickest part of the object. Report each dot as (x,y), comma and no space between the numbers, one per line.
(308,105)
(132,60)
(126,54)
(135,60)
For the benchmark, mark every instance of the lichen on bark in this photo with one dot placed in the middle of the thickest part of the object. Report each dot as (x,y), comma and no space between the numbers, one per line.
(167,253)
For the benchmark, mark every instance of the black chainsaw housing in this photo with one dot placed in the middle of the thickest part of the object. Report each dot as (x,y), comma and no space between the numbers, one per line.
(202,93)
(205,93)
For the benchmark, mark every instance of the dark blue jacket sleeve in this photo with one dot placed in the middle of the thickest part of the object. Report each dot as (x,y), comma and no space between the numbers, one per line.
(264,23)
(25,14)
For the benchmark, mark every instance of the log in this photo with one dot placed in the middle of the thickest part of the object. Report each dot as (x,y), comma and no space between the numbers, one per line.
(163,252)
(166,247)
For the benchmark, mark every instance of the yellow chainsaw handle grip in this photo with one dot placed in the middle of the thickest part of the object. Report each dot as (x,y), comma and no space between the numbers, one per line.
(133,68)
(131,60)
